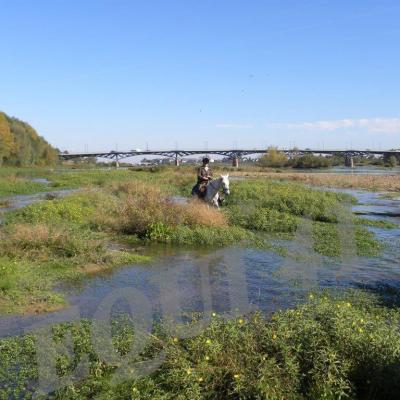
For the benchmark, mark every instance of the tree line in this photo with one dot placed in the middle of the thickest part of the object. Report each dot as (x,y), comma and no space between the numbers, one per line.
(21,145)
(274,158)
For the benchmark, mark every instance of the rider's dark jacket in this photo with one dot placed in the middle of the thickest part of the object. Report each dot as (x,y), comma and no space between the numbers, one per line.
(203,176)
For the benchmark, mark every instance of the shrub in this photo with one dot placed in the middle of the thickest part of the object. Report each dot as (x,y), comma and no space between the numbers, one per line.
(273,159)
(310,161)
(344,346)
(144,210)
(392,162)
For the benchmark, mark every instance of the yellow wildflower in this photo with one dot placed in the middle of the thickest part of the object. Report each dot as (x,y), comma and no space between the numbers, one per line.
(236,376)
(208,341)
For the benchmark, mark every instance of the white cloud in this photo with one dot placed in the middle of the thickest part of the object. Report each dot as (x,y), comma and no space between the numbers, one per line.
(234,126)
(374,125)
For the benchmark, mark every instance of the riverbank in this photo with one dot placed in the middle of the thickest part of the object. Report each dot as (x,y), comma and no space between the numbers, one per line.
(390,183)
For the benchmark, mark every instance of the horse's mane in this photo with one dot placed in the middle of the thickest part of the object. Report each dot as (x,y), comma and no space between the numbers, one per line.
(218,180)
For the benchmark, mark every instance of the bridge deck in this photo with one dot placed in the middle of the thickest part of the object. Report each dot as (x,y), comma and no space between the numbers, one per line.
(232,153)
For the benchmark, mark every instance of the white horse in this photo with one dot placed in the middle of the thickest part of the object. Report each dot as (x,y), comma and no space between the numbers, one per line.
(214,187)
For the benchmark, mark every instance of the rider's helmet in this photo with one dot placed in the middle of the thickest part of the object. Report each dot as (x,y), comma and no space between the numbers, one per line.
(206,160)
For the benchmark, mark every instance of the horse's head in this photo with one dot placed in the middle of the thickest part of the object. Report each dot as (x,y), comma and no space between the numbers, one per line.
(225,184)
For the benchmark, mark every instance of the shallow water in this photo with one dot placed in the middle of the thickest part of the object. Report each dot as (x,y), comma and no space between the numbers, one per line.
(23,200)
(366,170)
(228,280)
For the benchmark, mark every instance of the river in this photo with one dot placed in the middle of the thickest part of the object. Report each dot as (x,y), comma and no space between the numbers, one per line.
(358,170)
(231,280)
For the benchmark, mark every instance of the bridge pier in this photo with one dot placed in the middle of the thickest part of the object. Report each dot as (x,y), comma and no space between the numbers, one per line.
(233,154)
(349,161)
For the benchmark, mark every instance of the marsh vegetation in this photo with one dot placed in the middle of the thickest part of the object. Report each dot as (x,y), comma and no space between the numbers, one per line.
(329,347)
(334,347)
(67,238)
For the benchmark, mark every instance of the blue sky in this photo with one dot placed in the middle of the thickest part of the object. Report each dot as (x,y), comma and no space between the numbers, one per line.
(193,73)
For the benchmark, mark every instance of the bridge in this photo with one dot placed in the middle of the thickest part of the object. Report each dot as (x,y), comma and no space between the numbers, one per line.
(234,154)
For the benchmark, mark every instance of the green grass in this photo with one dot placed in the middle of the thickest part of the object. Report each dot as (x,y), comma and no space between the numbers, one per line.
(211,236)
(286,197)
(24,172)
(366,243)
(36,257)
(14,181)
(169,179)
(346,346)
(76,208)
(279,208)
(327,241)
(52,241)
(18,180)
(12,187)
(262,219)
(382,224)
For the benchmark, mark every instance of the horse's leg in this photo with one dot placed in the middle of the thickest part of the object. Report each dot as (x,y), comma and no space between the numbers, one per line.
(215,200)
(208,198)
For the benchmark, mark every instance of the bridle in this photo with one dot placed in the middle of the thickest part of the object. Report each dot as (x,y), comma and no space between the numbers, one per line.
(220,182)
(225,187)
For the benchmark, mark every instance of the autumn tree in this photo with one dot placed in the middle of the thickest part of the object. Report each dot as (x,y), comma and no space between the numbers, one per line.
(6,138)
(273,158)
(21,145)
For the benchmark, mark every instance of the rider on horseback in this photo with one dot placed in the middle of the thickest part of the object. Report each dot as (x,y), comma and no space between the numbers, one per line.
(204,175)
